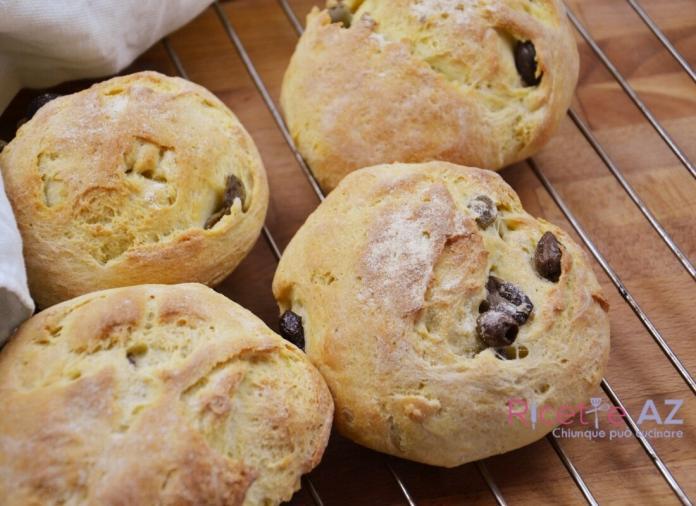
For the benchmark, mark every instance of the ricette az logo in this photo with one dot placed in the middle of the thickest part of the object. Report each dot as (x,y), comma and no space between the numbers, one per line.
(589,417)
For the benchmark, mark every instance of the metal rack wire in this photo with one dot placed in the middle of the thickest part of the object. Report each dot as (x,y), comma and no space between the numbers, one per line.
(663,38)
(623,82)
(591,246)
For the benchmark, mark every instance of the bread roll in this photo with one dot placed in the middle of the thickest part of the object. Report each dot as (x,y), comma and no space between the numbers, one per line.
(476,83)
(139,179)
(154,394)
(434,305)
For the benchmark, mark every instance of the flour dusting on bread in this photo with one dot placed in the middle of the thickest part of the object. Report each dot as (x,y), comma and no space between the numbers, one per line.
(461,12)
(403,247)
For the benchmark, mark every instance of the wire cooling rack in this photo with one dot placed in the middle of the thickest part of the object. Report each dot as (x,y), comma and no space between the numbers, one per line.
(611,166)
(603,153)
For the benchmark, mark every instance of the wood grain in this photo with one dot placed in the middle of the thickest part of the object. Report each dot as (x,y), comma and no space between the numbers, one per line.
(617,471)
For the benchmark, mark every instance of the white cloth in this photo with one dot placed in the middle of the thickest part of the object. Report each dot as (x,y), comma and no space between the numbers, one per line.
(15,303)
(44,42)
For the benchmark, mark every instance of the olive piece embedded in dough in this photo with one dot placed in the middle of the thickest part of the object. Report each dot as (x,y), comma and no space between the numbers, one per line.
(341,14)
(484,210)
(484,306)
(496,328)
(291,328)
(547,257)
(525,61)
(234,189)
(508,298)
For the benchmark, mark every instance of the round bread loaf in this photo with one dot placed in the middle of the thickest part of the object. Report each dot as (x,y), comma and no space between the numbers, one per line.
(433,304)
(477,83)
(139,179)
(156,394)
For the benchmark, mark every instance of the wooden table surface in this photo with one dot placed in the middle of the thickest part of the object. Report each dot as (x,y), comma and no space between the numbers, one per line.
(616,471)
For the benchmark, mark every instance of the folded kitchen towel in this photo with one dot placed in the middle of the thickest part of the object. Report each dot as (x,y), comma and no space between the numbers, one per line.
(44,42)
(15,303)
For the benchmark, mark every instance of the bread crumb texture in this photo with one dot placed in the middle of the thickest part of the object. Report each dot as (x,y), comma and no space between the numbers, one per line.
(156,394)
(389,275)
(420,80)
(116,185)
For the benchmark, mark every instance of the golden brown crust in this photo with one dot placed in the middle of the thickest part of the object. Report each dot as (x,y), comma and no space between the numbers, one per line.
(388,274)
(113,186)
(154,394)
(419,80)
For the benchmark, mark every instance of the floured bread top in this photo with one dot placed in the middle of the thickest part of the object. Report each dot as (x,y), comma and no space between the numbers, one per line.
(482,83)
(430,298)
(156,394)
